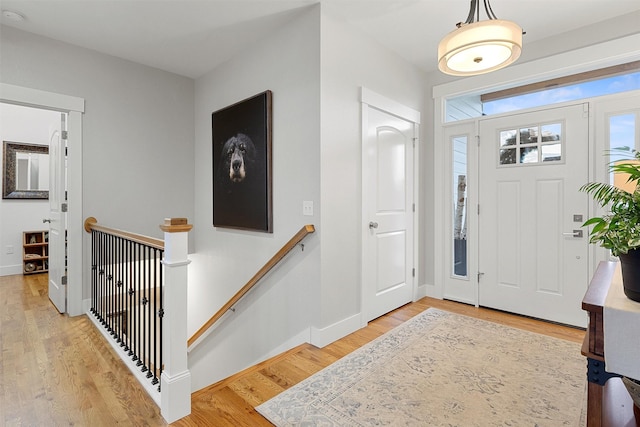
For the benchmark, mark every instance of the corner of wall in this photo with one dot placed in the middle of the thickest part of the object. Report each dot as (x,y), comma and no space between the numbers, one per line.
(320,337)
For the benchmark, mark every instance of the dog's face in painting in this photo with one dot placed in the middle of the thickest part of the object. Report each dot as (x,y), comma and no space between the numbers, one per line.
(238,158)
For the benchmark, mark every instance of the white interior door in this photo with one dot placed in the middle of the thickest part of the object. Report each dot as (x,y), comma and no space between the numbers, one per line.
(533,252)
(57,218)
(387,170)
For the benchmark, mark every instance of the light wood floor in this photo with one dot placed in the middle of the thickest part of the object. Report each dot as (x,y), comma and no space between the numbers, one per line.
(56,370)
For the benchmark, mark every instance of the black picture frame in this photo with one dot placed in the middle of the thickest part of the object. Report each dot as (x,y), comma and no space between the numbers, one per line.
(242,181)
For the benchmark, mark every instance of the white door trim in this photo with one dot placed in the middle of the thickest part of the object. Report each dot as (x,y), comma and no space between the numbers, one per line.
(373,99)
(74,107)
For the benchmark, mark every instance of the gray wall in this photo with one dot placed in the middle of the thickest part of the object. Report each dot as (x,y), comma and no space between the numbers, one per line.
(315,67)
(276,315)
(137,128)
(351,61)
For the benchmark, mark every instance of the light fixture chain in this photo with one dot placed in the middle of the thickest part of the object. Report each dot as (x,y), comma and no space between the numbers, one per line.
(487,8)
(473,8)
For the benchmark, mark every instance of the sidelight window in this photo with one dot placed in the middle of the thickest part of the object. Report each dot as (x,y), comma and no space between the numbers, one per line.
(459,193)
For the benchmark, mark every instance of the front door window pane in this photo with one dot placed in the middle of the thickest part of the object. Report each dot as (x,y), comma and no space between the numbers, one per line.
(535,144)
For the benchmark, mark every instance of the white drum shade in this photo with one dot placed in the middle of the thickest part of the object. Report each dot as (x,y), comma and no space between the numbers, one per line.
(480,47)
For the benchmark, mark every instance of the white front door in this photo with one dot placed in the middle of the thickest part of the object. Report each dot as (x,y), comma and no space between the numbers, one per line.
(533,252)
(57,218)
(388,218)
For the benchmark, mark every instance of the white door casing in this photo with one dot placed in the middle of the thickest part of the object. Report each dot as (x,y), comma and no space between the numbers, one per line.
(530,261)
(57,217)
(388,205)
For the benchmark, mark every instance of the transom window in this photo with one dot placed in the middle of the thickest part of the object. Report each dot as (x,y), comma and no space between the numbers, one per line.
(590,84)
(535,144)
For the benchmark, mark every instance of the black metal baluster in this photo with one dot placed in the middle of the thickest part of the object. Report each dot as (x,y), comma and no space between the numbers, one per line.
(101,277)
(161,316)
(130,257)
(109,282)
(93,272)
(145,306)
(149,314)
(136,303)
(118,280)
(154,316)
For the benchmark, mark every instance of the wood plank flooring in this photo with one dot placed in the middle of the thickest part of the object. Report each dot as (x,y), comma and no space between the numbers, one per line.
(56,370)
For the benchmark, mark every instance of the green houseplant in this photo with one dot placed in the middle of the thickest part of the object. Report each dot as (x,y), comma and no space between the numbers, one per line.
(619,230)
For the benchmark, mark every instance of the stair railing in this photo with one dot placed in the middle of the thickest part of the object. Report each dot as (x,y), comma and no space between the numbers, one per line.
(138,286)
(279,256)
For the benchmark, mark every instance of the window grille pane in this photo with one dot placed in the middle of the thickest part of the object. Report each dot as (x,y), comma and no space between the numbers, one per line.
(508,156)
(507,137)
(529,136)
(529,155)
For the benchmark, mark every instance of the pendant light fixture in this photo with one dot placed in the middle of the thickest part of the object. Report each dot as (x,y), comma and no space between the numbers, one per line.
(478,47)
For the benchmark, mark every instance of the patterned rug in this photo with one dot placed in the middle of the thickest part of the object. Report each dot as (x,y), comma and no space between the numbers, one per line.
(443,369)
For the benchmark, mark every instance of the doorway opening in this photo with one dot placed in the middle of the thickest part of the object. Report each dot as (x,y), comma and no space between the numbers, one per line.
(72,109)
(37,170)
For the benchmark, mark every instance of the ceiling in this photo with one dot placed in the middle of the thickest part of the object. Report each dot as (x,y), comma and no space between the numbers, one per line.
(191,37)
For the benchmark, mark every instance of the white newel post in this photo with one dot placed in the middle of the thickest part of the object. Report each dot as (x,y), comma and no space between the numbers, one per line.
(175,392)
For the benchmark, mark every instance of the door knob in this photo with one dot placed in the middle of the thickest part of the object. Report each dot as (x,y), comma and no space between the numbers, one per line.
(46,220)
(373,225)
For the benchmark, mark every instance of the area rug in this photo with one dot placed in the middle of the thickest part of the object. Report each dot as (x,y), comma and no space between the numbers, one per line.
(443,369)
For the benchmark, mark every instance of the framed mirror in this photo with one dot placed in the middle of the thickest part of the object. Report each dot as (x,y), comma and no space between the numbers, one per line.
(26,171)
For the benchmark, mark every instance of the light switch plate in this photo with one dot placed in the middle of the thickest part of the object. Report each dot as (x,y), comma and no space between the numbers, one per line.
(307,208)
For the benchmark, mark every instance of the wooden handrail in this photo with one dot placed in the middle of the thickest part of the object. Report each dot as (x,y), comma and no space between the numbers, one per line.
(304,231)
(92,224)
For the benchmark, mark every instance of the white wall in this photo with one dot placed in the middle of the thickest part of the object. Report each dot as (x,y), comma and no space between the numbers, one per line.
(31,126)
(315,67)
(276,315)
(137,129)
(351,61)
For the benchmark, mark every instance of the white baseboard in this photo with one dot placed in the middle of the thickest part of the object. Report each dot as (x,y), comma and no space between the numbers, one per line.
(421,291)
(86,305)
(152,390)
(432,291)
(10,270)
(296,340)
(320,337)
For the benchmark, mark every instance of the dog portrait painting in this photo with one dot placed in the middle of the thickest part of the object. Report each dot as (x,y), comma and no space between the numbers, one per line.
(241,146)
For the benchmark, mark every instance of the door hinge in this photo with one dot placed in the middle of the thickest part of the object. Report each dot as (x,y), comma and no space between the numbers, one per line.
(414,142)
(66,151)
(65,134)
(63,280)
(64,207)
(413,207)
(478,140)
(478,208)
(480,274)
(413,272)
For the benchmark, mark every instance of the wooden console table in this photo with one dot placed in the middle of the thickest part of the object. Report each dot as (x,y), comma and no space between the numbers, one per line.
(608,402)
